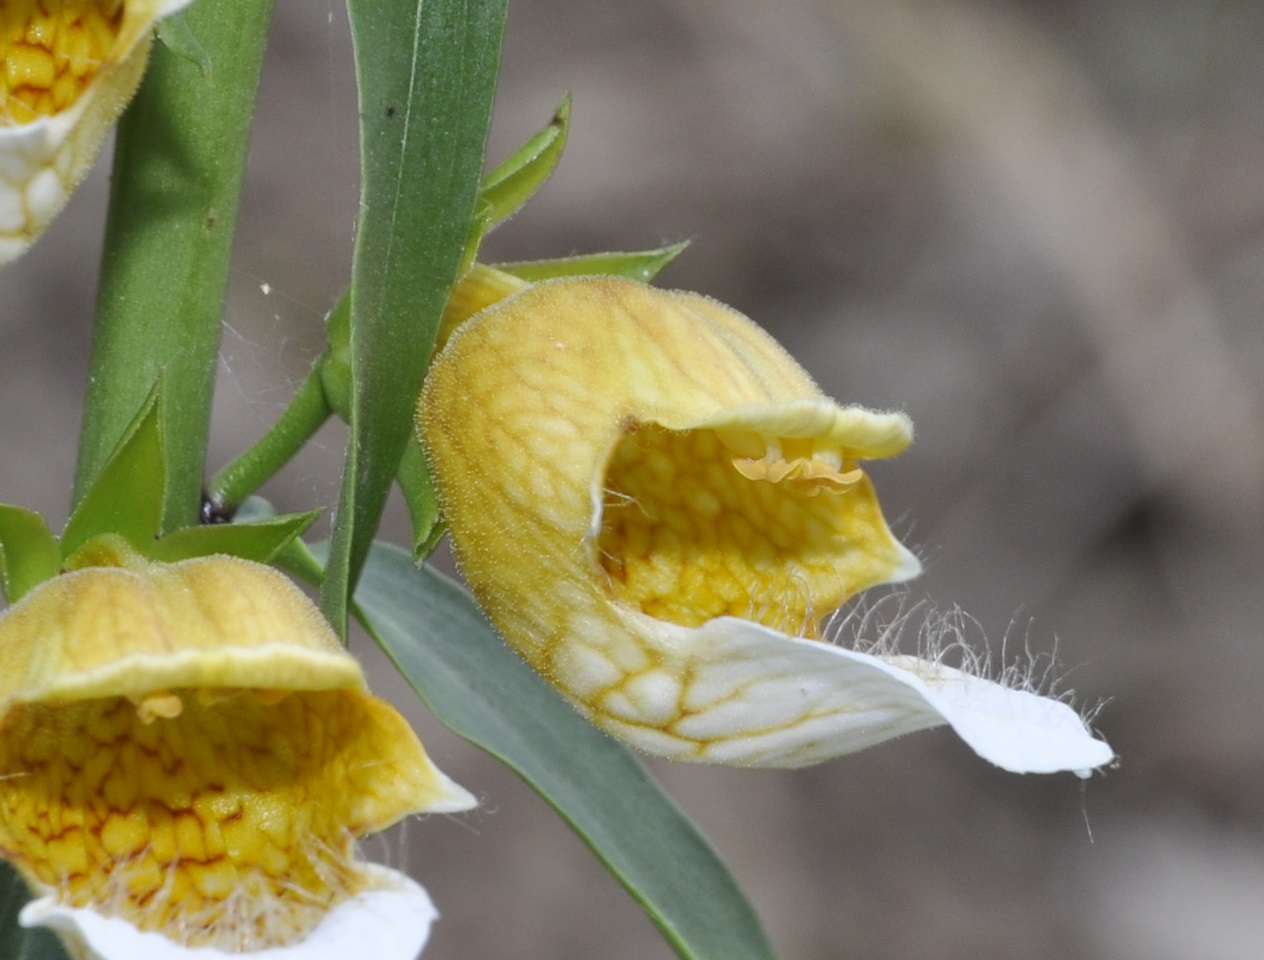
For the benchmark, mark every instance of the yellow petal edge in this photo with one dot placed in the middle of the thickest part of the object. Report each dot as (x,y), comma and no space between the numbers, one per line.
(186,750)
(67,70)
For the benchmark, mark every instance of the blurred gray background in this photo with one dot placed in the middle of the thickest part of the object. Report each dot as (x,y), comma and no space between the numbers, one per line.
(1038,228)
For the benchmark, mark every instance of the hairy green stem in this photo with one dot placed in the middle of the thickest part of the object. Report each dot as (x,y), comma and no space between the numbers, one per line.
(173,207)
(307,412)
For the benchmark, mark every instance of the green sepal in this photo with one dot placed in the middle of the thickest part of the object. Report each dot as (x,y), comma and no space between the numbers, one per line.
(512,183)
(176,36)
(418,487)
(641,265)
(260,540)
(127,496)
(28,551)
(480,225)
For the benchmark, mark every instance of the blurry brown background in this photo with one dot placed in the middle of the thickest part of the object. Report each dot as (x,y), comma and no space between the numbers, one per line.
(1037,227)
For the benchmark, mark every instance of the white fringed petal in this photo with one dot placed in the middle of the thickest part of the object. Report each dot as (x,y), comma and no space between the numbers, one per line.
(751,696)
(391,922)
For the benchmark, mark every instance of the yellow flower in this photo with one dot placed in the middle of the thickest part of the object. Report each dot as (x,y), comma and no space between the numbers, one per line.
(659,510)
(69,68)
(187,757)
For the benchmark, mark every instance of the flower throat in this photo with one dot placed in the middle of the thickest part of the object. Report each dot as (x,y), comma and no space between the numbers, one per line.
(50,51)
(699,524)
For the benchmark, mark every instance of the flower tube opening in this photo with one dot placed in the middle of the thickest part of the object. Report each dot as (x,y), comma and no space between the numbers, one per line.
(186,750)
(701,523)
(226,822)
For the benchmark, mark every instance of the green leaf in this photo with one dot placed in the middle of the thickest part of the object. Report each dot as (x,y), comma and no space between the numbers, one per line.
(426,71)
(28,551)
(418,488)
(18,943)
(127,496)
(260,541)
(476,685)
(509,186)
(641,265)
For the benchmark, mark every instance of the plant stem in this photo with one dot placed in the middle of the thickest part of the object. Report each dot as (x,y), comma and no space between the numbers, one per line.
(173,207)
(307,413)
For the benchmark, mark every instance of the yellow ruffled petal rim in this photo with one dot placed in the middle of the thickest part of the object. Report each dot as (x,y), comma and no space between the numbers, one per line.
(660,511)
(67,69)
(186,750)
(743,515)
(390,920)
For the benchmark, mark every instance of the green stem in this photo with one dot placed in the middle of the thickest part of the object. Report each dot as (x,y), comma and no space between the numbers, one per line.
(173,207)
(307,413)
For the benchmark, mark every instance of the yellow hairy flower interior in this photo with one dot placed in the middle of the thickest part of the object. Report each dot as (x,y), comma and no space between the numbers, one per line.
(703,523)
(219,818)
(50,51)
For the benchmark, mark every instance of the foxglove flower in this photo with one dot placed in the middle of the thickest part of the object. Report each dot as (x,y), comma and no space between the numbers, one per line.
(187,758)
(69,67)
(659,510)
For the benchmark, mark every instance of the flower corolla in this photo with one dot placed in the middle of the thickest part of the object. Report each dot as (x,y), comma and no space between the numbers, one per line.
(659,509)
(187,758)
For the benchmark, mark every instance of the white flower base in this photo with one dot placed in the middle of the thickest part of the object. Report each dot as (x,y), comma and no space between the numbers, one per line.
(389,922)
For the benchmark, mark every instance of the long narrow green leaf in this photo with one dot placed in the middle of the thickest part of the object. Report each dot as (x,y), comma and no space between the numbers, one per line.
(18,943)
(427,74)
(476,685)
(173,208)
